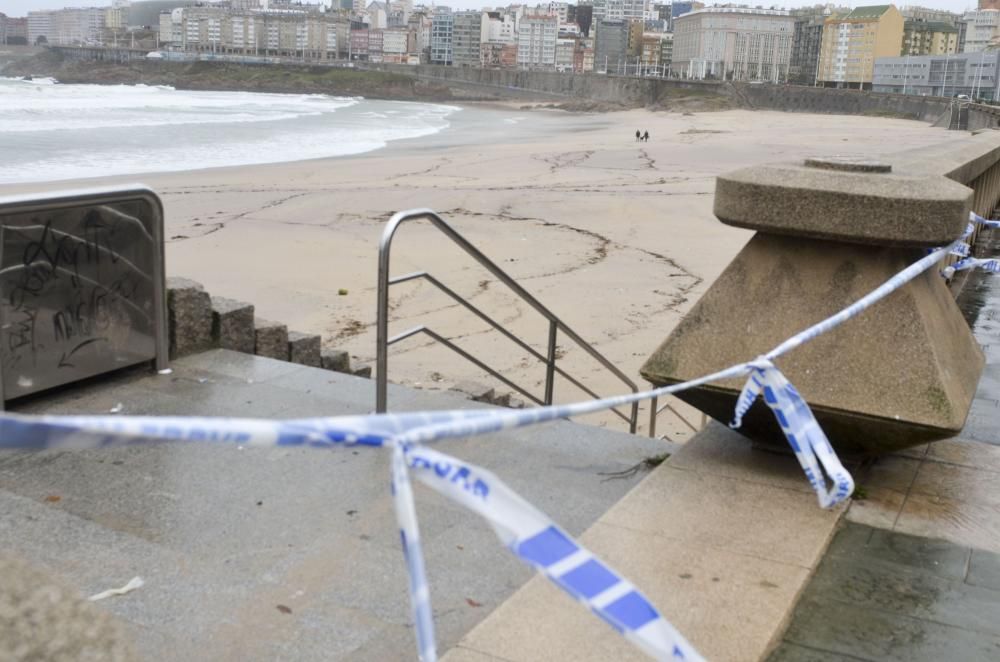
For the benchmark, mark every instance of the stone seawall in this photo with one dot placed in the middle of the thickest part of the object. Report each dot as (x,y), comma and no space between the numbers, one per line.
(803,99)
(504,83)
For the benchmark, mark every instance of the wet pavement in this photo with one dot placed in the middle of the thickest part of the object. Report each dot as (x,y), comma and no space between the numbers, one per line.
(980,304)
(282,553)
(924,584)
(881,595)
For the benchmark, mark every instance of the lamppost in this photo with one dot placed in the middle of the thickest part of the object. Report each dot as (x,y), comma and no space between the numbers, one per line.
(906,72)
(947,64)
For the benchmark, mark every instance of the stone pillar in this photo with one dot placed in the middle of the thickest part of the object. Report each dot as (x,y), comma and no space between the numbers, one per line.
(902,373)
(189,317)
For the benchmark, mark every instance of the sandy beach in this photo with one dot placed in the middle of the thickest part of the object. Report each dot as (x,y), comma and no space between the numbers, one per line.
(616,237)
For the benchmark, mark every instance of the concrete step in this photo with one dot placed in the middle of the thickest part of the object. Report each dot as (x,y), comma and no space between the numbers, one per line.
(722,537)
(283,553)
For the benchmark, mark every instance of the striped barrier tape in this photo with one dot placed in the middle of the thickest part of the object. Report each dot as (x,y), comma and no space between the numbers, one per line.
(805,436)
(985,222)
(991,265)
(527,532)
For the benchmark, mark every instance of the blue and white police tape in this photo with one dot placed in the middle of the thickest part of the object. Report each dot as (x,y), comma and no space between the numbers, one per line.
(805,436)
(530,535)
(536,540)
(985,222)
(991,265)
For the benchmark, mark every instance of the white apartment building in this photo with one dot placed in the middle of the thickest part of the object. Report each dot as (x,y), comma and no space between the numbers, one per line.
(67,27)
(500,28)
(565,50)
(394,45)
(40,24)
(116,16)
(982,29)
(536,42)
(620,10)
(733,43)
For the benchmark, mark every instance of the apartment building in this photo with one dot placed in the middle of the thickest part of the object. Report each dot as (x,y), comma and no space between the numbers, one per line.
(610,46)
(929,38)
(565,49)
(733,43)
(657,51)
(982,30)
(852,43)
(536,42)
(13,30)
(807,39)
(67,27)
(442,34)
(395,45)
(497,55)
(467,38)
(972,74)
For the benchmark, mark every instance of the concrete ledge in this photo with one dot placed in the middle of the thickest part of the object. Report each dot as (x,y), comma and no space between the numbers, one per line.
(722,538)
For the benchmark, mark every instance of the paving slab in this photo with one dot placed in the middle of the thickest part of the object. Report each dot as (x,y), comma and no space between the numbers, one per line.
(722,537)
(884,595)
(225,536)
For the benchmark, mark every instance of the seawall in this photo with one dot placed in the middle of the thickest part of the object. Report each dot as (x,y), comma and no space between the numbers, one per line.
(797,98)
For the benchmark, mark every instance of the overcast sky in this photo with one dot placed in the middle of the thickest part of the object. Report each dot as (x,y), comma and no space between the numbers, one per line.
(22,7)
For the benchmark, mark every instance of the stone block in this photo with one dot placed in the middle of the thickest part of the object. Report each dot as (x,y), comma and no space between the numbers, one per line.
(270,339)
(232,325)
(844,200)
(304,348)
(902,373)
(189,317)
(363,371)
(45,619)
(335,359)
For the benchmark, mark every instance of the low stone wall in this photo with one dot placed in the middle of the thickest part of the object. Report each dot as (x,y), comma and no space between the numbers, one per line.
(198,321)
(803,99)
(983,117)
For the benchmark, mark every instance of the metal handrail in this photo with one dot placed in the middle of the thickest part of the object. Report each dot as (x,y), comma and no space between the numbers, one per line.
(655,410)
(556,325)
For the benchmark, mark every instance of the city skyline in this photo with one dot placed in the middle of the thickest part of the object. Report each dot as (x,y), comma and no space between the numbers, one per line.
(18,8)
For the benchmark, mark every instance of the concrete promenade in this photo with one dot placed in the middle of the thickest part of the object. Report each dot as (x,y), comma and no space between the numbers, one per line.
(292,554)
(729,543)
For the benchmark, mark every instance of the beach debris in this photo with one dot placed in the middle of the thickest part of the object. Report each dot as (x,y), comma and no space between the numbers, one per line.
(134,583)
(117,408)
(53,498)
(473,603)
(284,609)
(342,291)
(165,371)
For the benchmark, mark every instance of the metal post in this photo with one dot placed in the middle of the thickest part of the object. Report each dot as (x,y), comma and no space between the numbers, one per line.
(906,72)
(382,325)
(653,406)
(550,365)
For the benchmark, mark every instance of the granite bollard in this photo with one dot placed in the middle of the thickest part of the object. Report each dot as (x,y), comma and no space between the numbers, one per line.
(271,339)
(232,325)
(304,348)
(903,372)
(189,317)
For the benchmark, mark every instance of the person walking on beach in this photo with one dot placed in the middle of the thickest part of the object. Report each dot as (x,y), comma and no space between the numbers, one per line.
(645,137)
(638,136)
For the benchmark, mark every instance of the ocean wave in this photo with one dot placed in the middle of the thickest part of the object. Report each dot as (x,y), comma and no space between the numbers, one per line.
(118,130)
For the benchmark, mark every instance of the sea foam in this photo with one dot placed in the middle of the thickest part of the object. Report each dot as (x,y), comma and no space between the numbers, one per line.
(50,131)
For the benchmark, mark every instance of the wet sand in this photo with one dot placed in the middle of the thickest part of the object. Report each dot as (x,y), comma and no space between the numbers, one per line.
(616,237)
